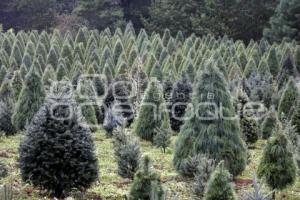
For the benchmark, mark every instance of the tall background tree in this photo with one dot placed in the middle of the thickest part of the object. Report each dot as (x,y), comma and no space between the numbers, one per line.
(285,24)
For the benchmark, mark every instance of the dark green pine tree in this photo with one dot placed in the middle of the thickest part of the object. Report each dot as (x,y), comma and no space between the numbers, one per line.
(288,99)
(285,24)
(146,184)
(219,185)
(210,131)
(270,125)
(3,170)
(179,100)
(49,76)
(273,62)
(277,165)
(58,153)
(6,108)
(151,112)
(30,99)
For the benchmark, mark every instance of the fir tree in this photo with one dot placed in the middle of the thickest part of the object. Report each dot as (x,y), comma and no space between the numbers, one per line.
(48,77)
(206,132)
(86,98)
(270,125)
(219,186)
(17,84)
(66,159)
(30,99)
(205,168)
(287,71)
(285,22)
(6,108)
(127,152)
(288,99)
(180,97)
(146,184)
(163,135)
(277,165)
(273,62)
(296,118)
(297,58)
(151,112)
(257,193)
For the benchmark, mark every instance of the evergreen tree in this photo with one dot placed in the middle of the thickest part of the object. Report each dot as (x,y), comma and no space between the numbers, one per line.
(151,113)
(270,125)
(48,77)
(118,92)
(17,84)
(163,135)
(205,168)
(86,98)
(180,97)
(108,13)
(287,71)
(296,118)
(288,99)
(297,58)
(208,132)
(219,186)
(6,108)
(66,160)
(285,22)
(146,184)
(277,165)
(127,152)
(248,124)
(273,62)
(30,99)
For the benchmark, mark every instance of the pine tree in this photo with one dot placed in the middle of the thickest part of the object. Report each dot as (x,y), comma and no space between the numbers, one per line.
(208,133)
(270,125)
(163,134)
(6,108)
(288,99)
(151,112)
(30,99)
(297,58)
(66,160)
(277,165)
(205,168)
(219,186)
(146,184)
(287,71)
(257,193)
(17,84)
(127,152)
(273,61)
(180,97)
(248,124)
(86,98)
(296,118)
(48,77)
(285,22)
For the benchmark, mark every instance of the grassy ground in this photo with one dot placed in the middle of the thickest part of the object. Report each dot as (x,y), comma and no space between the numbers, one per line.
(111,187)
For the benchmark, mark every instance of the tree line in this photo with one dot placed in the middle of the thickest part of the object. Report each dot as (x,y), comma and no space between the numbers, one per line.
(238,19)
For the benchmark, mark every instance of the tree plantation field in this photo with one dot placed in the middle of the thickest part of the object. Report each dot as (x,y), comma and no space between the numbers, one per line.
(111,186)
(137,115)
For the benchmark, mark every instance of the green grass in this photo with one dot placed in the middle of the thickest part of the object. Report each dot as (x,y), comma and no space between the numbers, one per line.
(112,187)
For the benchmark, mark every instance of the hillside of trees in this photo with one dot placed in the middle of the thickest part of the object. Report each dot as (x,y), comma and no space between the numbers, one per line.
(238,19)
